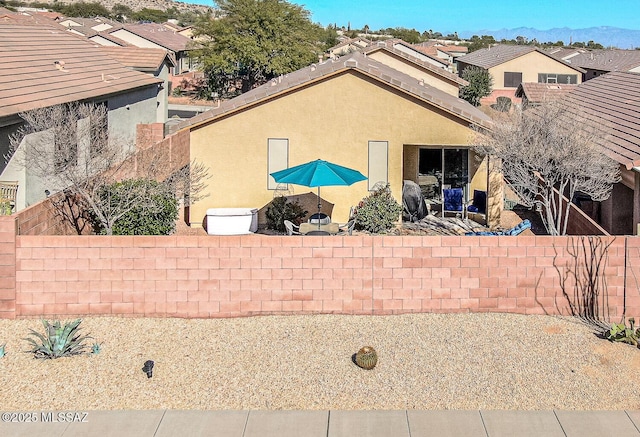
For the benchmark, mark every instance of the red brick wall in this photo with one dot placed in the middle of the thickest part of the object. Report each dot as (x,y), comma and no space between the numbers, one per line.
(211,276)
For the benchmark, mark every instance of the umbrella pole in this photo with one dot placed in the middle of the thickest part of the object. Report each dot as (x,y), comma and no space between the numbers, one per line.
(319,206)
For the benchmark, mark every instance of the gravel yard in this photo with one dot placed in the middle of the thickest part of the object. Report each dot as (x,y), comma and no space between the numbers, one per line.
(426,361)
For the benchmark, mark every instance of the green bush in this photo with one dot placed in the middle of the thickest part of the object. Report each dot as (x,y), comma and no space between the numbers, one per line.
(280,210)
(480,85)
(154,210)
(377,212)
(621,333)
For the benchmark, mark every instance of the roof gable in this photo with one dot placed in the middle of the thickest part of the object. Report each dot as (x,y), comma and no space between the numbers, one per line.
(499,54)
(543,92)
(354,63)
(139,58)
(441,72)
(157,34)
(607,60)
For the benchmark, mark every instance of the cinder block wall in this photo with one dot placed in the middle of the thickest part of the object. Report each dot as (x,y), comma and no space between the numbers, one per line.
(228,276)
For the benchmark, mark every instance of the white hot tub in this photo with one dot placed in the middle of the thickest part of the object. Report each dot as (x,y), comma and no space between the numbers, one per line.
(231,221)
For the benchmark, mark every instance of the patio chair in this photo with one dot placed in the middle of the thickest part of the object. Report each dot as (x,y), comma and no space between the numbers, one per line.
(453,201)
(347,228)
(291,228)
(479,203)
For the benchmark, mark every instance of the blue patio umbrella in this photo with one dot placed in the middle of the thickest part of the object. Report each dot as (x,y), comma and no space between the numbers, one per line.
(318,173)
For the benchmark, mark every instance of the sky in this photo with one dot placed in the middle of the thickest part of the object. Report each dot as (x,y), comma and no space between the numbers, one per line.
(469,15)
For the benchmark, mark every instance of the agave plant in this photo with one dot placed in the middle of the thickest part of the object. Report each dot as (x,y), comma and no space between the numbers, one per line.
(58,341)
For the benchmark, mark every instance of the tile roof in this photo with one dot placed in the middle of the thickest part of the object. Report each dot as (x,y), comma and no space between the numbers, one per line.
(139,58)
(543,92)
(496,55)
(501,53)
(159,34)
(611,104)
(564,53)
(45,65)
(110,38)
(445,74)
(397,41)
(91,23)
(607,60)
(452,48)
(353,63)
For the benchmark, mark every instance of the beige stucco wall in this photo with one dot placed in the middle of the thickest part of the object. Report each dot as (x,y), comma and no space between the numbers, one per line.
(332,120)
(530,65)
(412,70)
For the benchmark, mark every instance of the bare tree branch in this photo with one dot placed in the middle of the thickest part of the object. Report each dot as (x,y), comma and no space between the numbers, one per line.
(544,149)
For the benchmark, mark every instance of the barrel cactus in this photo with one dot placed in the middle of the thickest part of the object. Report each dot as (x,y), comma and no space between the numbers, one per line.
(367,358)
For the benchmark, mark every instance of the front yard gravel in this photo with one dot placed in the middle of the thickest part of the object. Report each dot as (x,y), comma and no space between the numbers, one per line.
(426,361)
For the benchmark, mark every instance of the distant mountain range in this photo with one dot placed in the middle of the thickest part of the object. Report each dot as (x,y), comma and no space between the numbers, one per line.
(605,35)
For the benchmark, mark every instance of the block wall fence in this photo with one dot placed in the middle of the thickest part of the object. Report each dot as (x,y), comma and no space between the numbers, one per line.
(230,276)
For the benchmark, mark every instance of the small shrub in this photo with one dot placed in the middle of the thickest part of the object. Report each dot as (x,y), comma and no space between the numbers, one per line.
(377,212)
(96,348)
(620,333)
(5,208)
(58,340)
(280,210)
(3,351)
(155,215)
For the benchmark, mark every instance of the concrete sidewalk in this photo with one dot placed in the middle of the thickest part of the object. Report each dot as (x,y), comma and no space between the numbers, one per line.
(374,423)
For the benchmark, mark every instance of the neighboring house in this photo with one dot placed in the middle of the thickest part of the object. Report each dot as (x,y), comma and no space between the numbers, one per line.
(511,65)
(185,31)
(88,26)
(599,62)
(46,66)
(410,50)
(414,67)
(610,105)
(347,46)
(353,111)
(156,62)
(151,35)
(447,52)
(533,93)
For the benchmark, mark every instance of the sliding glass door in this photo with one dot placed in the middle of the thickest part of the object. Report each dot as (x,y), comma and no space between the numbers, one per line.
(442,168)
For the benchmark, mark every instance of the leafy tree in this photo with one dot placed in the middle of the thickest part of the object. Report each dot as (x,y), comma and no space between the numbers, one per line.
(256,40)
(87,10)
(154,15)
(411,36)
(120,12)
(480,84)
(550,148)
(480,42)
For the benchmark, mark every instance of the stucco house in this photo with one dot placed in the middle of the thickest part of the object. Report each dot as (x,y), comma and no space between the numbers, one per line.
(415,67)
(347,46)
(598,62)
(46,66)
(610,105)
(354,111)
(511,65)
(156,62)
(152,35)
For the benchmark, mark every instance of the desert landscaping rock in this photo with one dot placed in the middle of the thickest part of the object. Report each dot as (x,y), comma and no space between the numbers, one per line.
(425,361)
